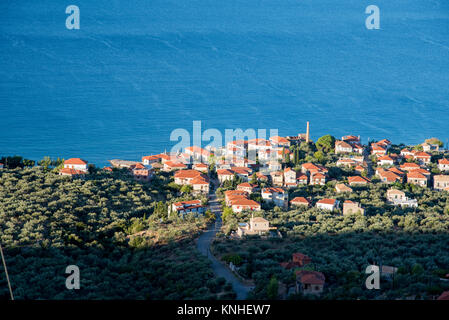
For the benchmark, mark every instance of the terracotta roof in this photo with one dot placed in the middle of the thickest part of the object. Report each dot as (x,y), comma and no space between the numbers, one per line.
(244,202)
(191,202)
(384,142)
(410,166)
(350,138)
(139,166)
(377,147)
(71,172)
(318,175)
(396,171)
(200,165)
(310,277)
(300,200)
(75,161)
(278,139)
(443,161)
(390,176)
(342,144)
(310,166)
(172,164)
(261,176)
(199,180)
(327,201)
(272,190)
(385,158)
(241,170)
(229,193)
(259,142)
(196,149)
(247,185)
(395,191)
(343,187)
(358,179)
(150,158)
(422,154)
(189,173)
(415,175)
(224,172)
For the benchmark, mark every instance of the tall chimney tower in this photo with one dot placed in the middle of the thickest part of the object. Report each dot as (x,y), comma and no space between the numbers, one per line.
(307,133)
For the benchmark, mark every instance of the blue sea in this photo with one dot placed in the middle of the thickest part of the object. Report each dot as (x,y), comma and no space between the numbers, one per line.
(136,70)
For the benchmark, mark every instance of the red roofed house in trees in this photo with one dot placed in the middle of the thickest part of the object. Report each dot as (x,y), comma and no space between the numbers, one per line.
(327,204)
(74,167)
(196,179)
(309,282)
(358,180)
(417,178)
(422,157)
(343,147)
(76,163)
(184,207)
(443,164)
(300,201)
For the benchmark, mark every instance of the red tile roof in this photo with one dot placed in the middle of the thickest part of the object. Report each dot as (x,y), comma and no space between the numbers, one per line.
(327,201)
(272,190)
(415,175)
(300,200)
(189,173)
(422,154)
(357,179)
(199,180)
(278,139)
(71,172)
(224,172)
(247,185)
(76,161)
(410,166)
(244,202)
(310,277)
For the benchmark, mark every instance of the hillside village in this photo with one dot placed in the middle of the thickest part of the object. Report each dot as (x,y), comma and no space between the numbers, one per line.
(281,166)
(332,176)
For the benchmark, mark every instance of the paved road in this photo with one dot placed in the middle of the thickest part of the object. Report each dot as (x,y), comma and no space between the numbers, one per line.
(203,245)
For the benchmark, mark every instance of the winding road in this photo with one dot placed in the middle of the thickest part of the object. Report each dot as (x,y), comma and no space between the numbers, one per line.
(203,245)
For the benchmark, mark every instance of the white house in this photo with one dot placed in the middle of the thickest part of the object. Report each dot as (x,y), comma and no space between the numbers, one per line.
(225,175)
(276,195)
(398,198)
(443,164)
(76,164)
(385,160)
(327,204)
(342,147)
(240,204)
